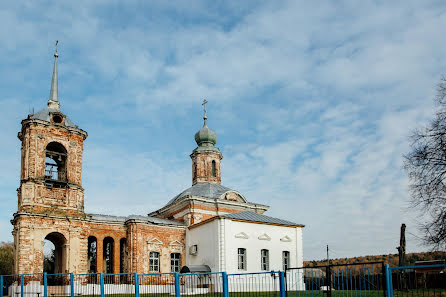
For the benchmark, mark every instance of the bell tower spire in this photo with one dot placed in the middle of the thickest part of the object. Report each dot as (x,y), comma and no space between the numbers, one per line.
(53,102)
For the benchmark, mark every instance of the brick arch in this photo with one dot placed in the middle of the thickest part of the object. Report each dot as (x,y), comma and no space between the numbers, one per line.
(60,242)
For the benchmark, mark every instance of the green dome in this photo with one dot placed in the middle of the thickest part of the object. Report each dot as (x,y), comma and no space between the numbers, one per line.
(205,137)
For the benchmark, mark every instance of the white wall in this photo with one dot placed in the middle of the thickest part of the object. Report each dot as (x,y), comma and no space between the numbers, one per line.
(205,237)
(254,245)
(219,240)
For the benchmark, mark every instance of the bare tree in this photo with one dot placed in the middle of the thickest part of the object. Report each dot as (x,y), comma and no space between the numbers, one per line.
(426,167)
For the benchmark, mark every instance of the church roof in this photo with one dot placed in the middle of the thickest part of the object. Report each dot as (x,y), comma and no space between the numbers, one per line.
(44,115)
(153,220)
(202,189)
(255,217)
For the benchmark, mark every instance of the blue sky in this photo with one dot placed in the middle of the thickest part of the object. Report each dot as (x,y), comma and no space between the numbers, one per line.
(312,104)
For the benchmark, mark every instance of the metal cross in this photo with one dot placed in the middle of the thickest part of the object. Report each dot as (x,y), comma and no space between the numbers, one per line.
(57,41)
(204,106)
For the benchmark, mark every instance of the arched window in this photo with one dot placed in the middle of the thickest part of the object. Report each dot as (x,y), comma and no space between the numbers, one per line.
(214,170)
(123,255)
(108,255)
(92,252)
(55,163)
(264,257)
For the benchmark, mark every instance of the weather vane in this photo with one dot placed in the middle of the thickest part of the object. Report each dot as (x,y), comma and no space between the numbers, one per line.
(204,107)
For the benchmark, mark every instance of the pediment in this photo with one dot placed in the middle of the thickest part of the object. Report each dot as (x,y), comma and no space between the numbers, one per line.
(233,196)
(176,243)
(285,239)
(154,241)
(242,235)
(264,236)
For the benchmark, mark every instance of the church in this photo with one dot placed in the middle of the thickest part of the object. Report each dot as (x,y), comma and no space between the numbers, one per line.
(206,224)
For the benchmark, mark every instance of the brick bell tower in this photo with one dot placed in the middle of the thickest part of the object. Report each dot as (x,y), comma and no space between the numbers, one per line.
(50,196)
(206,157)
(51,162)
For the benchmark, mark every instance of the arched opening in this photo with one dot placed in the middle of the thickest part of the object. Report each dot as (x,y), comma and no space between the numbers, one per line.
(122,255)
(92,254)
(54,253)
(108,248)
(214,170)
(55,163)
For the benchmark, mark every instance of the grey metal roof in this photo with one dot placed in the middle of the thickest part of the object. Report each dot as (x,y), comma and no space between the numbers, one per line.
(203,189)
(44,115)
(255,217)
(123,219)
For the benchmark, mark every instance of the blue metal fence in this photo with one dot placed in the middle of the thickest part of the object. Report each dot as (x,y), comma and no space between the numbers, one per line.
(416,281)
(352,280)
(361,280)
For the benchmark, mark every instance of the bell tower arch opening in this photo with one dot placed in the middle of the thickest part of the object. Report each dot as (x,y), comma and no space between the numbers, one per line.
(54,253)
(55,163)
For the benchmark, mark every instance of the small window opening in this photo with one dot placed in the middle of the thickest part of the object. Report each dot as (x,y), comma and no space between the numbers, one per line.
(57,119)
(55,162)
(214,171)
(241,259)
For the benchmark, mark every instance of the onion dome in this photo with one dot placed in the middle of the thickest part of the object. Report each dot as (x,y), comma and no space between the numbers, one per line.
(205,137)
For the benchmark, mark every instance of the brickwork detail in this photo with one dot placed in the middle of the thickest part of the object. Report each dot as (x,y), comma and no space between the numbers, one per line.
(206,166)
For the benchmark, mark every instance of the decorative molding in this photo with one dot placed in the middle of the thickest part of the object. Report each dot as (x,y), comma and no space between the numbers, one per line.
(154,241)
(285,239)
(176,243)
(242,235)
(264,236)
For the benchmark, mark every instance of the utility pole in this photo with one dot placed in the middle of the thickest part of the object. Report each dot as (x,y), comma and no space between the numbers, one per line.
(328,259)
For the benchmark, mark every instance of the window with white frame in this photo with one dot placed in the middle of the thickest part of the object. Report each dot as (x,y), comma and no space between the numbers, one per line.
(175,262)
(264,255)
(154,262)
(285,260)
(241,258)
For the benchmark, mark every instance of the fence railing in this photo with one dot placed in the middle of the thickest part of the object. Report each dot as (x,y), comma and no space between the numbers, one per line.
(219,284)
(343,280)
(327,281)
(416,281)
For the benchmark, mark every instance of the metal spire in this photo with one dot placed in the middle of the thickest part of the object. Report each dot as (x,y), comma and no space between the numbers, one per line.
(204,116)
(53,102)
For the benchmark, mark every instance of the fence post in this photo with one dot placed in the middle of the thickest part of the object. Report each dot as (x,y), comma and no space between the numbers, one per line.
(389,281)
(282,284)
(136,284)
(72,284)
(328,281)
(224,276)
(101,279)
(177,284)
(21,285)
(45,285)
(1,285)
